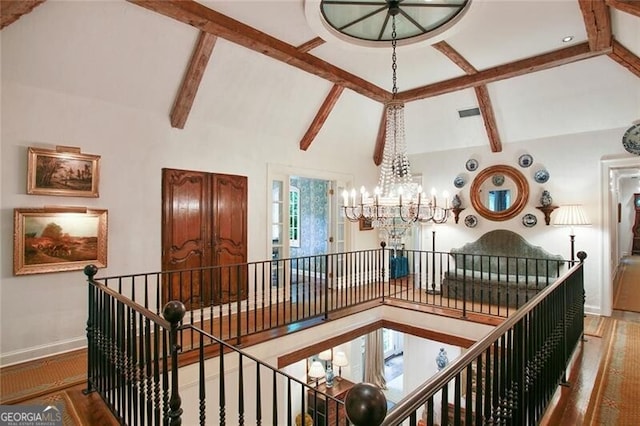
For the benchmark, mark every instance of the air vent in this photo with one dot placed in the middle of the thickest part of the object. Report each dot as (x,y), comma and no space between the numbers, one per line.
(468,112)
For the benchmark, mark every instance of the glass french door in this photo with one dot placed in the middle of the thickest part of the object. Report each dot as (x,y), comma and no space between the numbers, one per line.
(279,228)
(289,224)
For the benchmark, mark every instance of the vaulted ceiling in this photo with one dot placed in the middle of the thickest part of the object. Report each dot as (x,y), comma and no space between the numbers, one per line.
(270,60)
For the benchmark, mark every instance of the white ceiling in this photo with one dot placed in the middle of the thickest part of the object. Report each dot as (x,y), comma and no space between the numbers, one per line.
(122,53)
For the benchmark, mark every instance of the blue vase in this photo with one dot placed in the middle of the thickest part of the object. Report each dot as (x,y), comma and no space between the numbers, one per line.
(330,376)
(442,360)
(456,202)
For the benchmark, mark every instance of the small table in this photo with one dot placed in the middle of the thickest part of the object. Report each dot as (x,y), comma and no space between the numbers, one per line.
(322,414)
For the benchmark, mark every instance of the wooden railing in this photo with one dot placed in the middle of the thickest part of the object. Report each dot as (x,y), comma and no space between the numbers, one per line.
(134,348)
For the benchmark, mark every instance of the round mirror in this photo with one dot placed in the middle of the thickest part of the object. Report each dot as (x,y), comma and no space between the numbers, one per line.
(499,192)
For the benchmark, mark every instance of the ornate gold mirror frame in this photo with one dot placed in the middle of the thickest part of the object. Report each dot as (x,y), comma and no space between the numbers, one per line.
(519,201)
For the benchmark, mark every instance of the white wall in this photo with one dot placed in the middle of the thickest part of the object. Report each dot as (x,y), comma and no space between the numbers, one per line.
(573,162)
(46,313)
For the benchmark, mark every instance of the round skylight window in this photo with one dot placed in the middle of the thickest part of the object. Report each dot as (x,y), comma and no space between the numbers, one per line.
(370,20)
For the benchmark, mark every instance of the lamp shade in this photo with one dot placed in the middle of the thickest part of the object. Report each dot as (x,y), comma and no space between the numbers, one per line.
(316,370)
(325,355)
(340,359)
(571,215)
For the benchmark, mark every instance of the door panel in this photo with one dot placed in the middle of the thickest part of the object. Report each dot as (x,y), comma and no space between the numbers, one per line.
(230,234)
(184,235)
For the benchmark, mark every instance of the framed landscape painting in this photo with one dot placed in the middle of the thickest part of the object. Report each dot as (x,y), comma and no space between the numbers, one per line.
(58,239)
(64,171)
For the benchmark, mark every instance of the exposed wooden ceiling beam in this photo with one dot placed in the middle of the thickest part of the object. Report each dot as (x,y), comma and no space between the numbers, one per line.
(489,118)
(629,6)
(455,57)
(625,57)
(192,78)
(310,45)
(321,116)
(12,10)
(482,94)
(503,72)
(597,22)
(208,20)
(381,139)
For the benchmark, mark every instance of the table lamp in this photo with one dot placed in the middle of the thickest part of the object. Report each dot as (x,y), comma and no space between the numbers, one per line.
(316,371)
(340,360)
(571,215)
(326,356)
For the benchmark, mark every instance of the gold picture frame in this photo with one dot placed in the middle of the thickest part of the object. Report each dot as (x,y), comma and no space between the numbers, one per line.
(64,171)
(55,239)
(365,224)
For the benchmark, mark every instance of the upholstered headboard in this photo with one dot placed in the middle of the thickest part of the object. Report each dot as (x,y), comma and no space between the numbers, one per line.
(506,252)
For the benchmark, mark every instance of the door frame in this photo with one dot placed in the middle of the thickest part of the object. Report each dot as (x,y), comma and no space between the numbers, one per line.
(609,235)
(337,180)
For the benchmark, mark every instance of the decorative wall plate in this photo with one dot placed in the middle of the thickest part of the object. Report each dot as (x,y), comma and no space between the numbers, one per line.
(472,165)
(529,220)
(631,139)
(471,221)
(497,180)
(459,182)
(541,176)
(525,160)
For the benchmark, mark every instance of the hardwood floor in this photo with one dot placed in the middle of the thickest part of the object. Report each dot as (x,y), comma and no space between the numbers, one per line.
(570,402)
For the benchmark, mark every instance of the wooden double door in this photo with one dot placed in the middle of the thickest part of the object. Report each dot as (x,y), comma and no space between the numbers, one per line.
(204,223)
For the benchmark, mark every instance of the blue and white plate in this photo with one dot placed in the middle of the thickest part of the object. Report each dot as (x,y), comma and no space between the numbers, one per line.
(498,180)
(472,165)
(529,220)
(525,160)
(541,176)
(471,221)
(631,139)
(459,182)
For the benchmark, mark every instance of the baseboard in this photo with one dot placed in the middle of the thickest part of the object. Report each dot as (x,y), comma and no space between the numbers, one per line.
(592,310)
(35,352)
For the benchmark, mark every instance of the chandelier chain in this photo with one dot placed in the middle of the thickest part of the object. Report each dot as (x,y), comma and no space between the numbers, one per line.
(394,65)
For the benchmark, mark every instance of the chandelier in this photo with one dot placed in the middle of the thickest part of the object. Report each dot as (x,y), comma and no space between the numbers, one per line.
(397,202)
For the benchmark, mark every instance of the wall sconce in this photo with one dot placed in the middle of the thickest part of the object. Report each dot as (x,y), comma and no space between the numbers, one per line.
(340,360)
(316,371)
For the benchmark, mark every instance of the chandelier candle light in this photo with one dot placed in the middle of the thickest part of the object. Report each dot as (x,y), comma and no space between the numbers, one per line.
(397,202)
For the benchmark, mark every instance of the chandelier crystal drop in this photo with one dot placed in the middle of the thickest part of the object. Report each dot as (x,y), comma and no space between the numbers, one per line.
(397,202)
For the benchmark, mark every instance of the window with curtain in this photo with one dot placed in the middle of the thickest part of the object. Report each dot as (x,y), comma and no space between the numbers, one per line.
(499,200)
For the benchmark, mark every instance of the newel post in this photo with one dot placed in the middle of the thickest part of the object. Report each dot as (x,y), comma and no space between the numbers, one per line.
(174,312)
(90,271)
(365,405)
(582,256)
